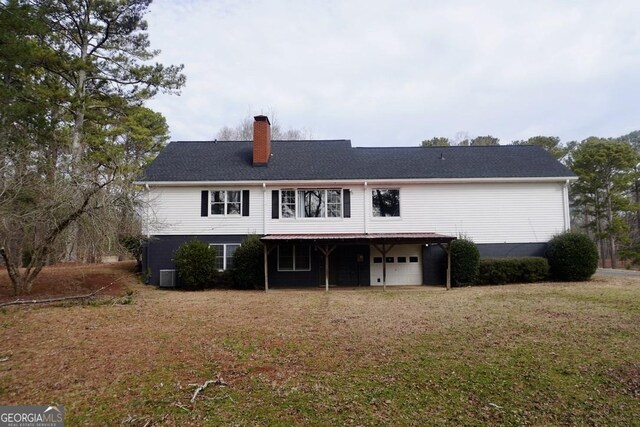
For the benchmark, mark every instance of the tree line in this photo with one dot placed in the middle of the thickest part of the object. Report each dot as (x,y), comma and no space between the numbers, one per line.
(605,200)
(74,128)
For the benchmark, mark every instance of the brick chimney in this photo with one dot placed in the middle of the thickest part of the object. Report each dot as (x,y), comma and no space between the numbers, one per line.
(261,140)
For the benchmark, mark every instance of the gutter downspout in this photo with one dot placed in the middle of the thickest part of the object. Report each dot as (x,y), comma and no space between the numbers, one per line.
(565,206)
(147,207)
(364,210)
(264,208)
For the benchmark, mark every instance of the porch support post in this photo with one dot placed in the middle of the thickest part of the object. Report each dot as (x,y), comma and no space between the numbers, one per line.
(384,267)
(384,250)
(449,266)
(326,268)
(266,267)
(326,251)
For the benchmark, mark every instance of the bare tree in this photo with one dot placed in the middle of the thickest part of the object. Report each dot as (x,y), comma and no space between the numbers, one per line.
(73,134)
(243,131)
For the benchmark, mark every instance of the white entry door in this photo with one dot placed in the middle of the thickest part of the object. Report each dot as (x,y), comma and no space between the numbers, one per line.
(404,265)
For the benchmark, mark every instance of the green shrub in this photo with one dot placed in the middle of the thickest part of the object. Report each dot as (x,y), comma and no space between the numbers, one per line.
(196,265)
(465,259)
(499,271)
(572,257)
(226,279)
(248,264)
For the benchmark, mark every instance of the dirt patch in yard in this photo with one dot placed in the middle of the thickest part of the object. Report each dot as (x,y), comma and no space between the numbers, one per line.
(67,280)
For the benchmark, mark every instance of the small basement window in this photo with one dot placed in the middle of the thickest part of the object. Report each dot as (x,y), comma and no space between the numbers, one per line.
(224,254)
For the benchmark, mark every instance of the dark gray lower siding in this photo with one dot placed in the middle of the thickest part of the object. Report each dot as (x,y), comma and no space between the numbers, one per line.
(504,250)
(434,259)
(158,253)
(348,265)
(345,269)
(434,265)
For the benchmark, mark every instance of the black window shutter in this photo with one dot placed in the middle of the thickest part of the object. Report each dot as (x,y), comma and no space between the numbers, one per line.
(245,202)
(275,204)
(346,203)
(204,205)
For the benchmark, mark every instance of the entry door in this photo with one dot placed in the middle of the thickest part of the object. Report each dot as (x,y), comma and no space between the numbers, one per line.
(404,265)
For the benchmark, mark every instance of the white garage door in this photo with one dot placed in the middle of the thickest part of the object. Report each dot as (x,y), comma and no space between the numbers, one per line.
(404,265)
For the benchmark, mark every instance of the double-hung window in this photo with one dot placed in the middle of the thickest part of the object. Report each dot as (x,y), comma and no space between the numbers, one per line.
(224,254)
(226,202)
(385,202)
(294,257)
(288,203)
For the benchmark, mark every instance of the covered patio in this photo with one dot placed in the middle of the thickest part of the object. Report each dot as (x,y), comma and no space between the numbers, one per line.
(381,242)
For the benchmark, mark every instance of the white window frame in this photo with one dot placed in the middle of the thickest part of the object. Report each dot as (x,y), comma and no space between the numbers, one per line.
(299,203)
(224,252)
(226,202)
(293,270)
(387,218)
(295,203)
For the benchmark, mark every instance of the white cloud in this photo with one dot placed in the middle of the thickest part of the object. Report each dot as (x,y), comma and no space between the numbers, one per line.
(394,73)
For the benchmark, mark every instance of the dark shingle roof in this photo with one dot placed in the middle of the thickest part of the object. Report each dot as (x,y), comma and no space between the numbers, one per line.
(327,160)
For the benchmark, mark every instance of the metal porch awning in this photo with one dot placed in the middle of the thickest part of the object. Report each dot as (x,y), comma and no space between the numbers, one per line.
(383,242)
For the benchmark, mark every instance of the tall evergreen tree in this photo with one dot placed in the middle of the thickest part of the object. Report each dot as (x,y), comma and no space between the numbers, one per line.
(74,78)
(604,168)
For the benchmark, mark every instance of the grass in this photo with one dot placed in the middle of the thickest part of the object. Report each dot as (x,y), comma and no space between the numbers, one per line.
(544,354)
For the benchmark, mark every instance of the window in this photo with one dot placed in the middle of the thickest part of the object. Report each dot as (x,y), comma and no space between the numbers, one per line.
(319,203)
(377,260)
(310,203)
(294,258)
(386,202)
(413,259)
(224,254)
(334,203)
(288,203)
(226,202)
(388,260)
(234,203)
(217,202)
(402,259)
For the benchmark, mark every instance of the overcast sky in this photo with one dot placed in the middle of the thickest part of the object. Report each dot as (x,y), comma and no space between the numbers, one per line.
(397,72)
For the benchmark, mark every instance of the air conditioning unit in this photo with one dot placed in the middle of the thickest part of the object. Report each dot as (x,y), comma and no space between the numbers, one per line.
(167,279)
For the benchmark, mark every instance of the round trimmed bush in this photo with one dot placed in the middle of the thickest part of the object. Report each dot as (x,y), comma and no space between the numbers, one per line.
(572,257)
(465,262)
(248,263)
(196,265)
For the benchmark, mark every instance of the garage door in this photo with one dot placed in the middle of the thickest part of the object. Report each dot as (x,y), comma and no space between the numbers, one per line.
(404,265)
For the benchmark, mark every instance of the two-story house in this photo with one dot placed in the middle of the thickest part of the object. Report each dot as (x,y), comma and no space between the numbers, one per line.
(330,213)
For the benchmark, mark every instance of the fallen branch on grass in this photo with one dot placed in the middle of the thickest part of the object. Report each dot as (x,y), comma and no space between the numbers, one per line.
(200,388)
(43,301)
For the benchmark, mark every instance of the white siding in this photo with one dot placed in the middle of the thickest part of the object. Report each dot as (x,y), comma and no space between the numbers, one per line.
(485,212)
(176,210)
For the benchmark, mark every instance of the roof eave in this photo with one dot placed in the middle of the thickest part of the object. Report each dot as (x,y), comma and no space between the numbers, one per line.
(563,179)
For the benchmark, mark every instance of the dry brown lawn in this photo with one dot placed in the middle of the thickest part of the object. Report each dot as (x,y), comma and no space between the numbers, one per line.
(544,354)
